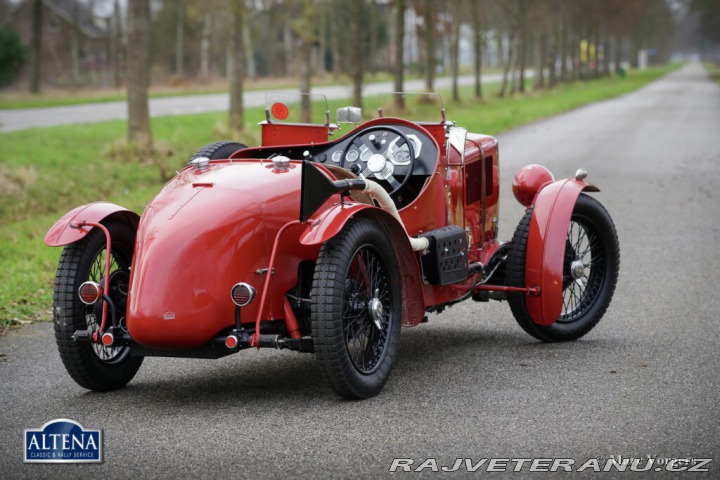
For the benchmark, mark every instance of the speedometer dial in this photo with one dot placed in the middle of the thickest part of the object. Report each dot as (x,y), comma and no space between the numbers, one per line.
(401,156)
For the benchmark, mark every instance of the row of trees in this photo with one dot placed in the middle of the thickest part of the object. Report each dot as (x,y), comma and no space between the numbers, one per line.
(561,40)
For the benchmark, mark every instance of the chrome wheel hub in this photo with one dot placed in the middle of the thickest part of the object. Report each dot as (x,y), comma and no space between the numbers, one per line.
(375,310)
(577,269)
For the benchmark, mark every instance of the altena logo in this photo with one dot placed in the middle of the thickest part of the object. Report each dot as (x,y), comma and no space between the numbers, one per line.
(63,441)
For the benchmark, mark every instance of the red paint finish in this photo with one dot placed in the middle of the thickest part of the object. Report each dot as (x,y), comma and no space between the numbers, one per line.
(194,244)
(277,134)
(328,223)
(61,234)
(546,247)
(528,181)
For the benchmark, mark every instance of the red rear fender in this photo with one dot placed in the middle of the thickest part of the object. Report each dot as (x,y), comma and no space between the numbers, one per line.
(329,223)
(546,247)
(61,234)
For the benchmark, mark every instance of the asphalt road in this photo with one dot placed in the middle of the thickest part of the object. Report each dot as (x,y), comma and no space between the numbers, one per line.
(98,112)
(470,383)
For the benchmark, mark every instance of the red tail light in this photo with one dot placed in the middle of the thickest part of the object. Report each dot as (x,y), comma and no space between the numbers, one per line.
(90,292)
(242,294)
(231,341)
(108,339)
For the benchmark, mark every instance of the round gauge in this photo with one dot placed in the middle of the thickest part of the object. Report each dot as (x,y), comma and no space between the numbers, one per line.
(352,156)
(337,154)
(401,156)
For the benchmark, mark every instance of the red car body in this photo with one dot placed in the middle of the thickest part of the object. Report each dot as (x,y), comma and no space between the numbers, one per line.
(261,216)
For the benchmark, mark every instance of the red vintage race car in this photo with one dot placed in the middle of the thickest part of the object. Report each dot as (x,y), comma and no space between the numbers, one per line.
(328,246)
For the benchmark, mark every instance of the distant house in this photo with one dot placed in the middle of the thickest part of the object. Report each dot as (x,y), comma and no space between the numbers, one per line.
(60,20)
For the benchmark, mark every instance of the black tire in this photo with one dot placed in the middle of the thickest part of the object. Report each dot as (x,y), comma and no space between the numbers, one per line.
(93,366)
(356,356)
(585,299)
(218,150)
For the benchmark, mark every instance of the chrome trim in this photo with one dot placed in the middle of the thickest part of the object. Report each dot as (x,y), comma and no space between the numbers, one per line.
(251,293)
(98,292)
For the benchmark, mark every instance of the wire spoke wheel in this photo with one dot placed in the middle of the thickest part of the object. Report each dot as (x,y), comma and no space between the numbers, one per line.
(93,313)
(583,270)
(366,333)
(94,365)
(590,272)
(356,309)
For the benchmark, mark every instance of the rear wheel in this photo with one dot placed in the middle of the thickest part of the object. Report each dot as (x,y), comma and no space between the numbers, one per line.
(94,366)
(356,310)
(590,271)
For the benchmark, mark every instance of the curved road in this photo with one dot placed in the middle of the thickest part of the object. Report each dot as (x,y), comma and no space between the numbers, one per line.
(470,383)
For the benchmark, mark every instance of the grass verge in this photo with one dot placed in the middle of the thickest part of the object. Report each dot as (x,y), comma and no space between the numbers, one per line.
(46,171)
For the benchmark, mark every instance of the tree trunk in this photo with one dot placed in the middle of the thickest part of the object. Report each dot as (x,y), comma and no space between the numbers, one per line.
(251,70)
(75,46)
(564,53)
(237,69)
(552,57)
(455,56)
(606,57)
(539,81)
(429,45)
(522,53)
(477,46)
(37,50)
(179,37)
(335,44)
(116,44)
(305,31)
(357,51)
(372,26)
(399,52)
(508,65)
(139,73)
(618,54)
(205,46)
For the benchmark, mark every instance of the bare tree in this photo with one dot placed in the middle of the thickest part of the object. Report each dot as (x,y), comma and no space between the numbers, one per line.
(357,50)
(180,37)
(304,30)
(75,44)
(455,48)
(139,73)
(429,17)
(399,51)
(205,46)
(36,51)
(237,121)
(116,43)
(477,45)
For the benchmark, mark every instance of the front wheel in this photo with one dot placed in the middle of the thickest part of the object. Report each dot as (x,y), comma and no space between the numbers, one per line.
(356,310)
(94,365)
(590,272)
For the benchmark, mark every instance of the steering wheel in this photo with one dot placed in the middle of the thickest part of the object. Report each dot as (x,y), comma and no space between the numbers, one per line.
(379,164)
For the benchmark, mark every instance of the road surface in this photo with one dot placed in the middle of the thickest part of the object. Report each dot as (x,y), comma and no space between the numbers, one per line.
(98,112)
(469,384)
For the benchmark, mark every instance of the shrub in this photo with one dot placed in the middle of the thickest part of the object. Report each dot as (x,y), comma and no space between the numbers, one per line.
(12,55)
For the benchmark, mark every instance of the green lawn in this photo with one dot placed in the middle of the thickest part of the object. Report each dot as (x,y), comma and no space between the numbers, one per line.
(46,171)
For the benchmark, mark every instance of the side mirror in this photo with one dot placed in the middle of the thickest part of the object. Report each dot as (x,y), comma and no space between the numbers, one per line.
(349,115)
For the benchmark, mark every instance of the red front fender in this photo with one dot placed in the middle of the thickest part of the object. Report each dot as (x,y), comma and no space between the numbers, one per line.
(546,247)
(61,234)
(328,224)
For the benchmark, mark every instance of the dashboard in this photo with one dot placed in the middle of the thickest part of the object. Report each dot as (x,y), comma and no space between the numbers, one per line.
(398,157)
